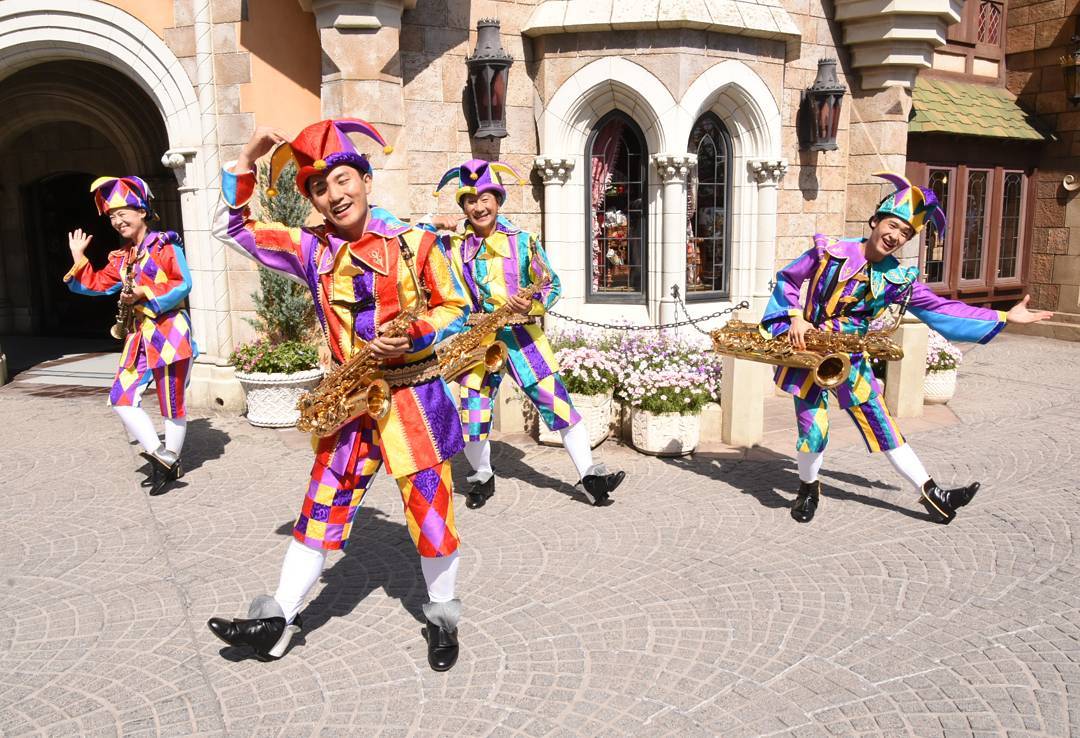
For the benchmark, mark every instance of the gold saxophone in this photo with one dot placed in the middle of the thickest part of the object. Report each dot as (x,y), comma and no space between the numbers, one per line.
(827,355)
(125,314)
(352,389)
(478,344)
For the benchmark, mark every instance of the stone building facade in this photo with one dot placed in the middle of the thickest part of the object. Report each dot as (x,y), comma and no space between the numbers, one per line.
(613,111)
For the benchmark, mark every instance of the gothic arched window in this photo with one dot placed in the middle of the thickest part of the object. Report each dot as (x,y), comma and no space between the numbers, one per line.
(708,211)
(617,202)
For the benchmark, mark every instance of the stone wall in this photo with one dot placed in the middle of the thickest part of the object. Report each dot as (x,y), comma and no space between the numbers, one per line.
(1038,35)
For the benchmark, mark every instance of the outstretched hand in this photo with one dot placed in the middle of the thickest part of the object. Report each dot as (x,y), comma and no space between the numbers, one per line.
(78,241)
(1019,313)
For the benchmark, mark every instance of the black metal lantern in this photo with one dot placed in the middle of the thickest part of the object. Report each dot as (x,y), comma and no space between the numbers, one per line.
(1070,63)
(820,108)
(489,70)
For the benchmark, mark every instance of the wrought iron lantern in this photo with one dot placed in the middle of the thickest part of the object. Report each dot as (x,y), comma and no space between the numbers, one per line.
(1070,64)
(820,108)
(489,70)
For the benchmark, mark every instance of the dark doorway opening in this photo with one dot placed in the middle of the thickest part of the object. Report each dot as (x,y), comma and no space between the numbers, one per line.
(53,206)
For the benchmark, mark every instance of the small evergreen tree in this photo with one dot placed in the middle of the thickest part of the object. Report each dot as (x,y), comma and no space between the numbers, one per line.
(284,309)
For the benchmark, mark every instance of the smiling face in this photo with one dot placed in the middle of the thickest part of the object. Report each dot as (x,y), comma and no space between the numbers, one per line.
(341,197)
(130,223)
(887,236)
(482,211)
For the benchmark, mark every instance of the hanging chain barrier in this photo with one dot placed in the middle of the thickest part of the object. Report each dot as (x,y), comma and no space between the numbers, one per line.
(678,324)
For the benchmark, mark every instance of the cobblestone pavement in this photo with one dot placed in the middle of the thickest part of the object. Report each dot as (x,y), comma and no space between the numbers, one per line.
(693,606)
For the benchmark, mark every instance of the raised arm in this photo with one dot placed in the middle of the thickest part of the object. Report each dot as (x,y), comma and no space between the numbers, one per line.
(82,278)
(274,245)
(955,320)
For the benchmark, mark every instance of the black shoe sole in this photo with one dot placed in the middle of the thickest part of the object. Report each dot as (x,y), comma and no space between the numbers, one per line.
(937,515)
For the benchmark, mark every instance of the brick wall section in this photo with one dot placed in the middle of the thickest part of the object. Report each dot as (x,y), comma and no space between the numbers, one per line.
(1038,35)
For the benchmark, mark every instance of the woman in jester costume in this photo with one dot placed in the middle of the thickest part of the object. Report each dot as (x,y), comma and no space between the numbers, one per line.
(497,262)
(151,275)
(850,282)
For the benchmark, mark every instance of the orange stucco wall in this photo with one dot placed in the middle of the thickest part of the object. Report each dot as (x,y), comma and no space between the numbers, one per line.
(286,65)
(157,14)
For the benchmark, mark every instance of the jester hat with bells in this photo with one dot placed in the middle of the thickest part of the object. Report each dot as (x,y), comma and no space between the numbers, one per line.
(121,192)
(322,146)
(476,176)
(916,206)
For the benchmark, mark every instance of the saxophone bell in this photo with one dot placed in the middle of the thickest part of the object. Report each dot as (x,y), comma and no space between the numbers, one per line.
(832,370)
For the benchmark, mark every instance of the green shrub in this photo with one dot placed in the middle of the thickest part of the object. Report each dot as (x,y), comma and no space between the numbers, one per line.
(263,355)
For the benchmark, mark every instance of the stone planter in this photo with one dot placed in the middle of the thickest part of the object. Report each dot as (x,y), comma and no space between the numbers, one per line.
(664,434)
(595,412)
(939,386)
(271,398)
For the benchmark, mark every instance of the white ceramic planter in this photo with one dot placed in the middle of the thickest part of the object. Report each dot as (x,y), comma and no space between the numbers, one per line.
(595,412)
(271,398)
(939,386)
(664,434)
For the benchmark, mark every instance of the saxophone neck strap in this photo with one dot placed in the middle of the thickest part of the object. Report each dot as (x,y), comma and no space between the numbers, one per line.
(410,262)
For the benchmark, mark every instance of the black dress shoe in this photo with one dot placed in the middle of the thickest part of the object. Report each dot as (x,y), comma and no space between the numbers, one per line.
(480,493)
(442,647)
(942,504)
(806,502)
(267,637)
(598,487)
(160,481)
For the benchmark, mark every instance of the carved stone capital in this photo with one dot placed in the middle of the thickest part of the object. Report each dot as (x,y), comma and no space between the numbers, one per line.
(768,171)
(553,171)
(672,167)
(357,15)
(181,161)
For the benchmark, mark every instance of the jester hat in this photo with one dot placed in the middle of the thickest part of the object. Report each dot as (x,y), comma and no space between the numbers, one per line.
(322,146)
(916,206)
(476,176)
(121,192)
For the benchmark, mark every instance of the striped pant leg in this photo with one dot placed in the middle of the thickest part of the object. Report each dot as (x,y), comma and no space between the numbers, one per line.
(476,402)
(876,425)
(552,401)
(812,419)
(130,382)
(171,381)
(345,465)
(428,498)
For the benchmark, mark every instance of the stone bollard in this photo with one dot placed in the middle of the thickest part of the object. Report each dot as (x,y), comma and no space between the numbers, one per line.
(214,386)
(904,378)
(742,401)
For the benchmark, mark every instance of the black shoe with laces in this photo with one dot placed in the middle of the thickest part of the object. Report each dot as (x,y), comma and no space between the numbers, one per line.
(480,493)
(442,647)
(806,502)
(942,504)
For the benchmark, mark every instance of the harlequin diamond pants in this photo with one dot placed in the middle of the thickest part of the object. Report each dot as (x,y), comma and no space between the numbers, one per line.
(170,382)
(479,389)
(345,466)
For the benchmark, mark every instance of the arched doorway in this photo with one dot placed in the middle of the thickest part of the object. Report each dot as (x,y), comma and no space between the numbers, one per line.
(67,122)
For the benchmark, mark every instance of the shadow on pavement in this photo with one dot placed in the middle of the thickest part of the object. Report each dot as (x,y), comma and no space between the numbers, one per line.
(506,460)
(763,474)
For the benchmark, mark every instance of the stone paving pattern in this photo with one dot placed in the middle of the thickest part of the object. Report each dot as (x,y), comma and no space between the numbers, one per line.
(693,606)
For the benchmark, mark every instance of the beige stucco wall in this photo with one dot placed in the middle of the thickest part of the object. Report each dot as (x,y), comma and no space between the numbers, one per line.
(155,14)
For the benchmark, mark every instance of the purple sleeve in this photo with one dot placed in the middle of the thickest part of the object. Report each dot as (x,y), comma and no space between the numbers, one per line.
(785,295)
(955,320)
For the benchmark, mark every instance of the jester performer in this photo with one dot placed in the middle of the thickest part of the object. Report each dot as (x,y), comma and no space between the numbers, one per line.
(850,282)
(364,268)
(498,263)
(151,275)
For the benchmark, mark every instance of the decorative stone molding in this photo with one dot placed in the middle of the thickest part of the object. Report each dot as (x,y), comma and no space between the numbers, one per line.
(181,162)
(891,40)
(735,17)
(357,15)
(553,170)
(673,167)
(767,171)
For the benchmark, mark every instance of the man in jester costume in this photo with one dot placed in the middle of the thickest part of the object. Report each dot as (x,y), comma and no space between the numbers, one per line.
(850,282)
(151,275)
(498,263)
(364,267)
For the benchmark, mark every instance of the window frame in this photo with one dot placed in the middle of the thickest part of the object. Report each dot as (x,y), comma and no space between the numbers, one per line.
(624,298)
(724,294)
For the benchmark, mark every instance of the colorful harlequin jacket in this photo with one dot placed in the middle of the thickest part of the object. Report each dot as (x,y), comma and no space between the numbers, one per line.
(845,293)
(358,287)
(161,277)
(497,267)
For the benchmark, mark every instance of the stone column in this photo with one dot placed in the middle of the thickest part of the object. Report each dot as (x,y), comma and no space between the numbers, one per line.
(673,170)
(904,378)
(362,78)
(767,173)
(566,261)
